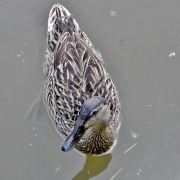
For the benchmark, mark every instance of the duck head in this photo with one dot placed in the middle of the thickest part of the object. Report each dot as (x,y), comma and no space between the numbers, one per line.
(94,113)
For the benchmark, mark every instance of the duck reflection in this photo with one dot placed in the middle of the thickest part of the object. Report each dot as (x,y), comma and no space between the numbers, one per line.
(93,166)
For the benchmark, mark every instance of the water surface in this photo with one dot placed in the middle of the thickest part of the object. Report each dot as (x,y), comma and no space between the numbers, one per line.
(140,42)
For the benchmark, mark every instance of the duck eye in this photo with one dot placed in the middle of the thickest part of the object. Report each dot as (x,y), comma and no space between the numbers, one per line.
(94,113)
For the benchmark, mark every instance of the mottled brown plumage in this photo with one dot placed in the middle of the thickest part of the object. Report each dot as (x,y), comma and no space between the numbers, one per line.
(74,73)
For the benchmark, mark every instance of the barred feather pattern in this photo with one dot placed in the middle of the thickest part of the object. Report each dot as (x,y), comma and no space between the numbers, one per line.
(74,72)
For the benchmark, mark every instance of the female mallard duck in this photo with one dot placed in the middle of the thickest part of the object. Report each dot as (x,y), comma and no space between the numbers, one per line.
(80,95)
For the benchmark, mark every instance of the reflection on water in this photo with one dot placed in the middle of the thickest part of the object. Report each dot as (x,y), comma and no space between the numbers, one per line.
(93,166)
(36,109)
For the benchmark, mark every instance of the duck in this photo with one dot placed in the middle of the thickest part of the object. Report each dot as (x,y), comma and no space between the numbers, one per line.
(79,94)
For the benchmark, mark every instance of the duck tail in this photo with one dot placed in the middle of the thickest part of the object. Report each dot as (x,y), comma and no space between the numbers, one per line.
(59,19)
(60,22)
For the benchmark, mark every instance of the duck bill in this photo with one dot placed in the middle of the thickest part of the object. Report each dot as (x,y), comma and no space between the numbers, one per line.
(74,137)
